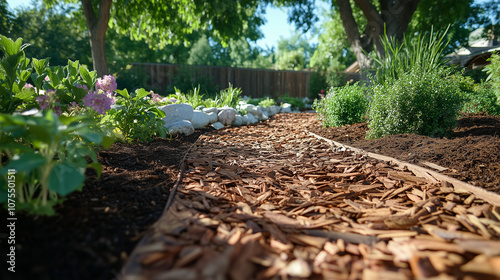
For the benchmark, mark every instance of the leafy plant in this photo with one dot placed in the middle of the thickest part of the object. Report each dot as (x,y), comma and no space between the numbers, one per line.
(420,102)
(136,116)
(14,73)
(481,99)
(425,52)
(267,102)
(49,154)
(230,97)
(296,103)
(493,71)
(342,105)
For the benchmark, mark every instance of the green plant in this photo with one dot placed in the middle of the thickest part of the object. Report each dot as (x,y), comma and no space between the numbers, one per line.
(267,102)
(296,103)
(420,102)
(230,97)
(136,116)
(493,71)
(194,98)
(14,73)
(342,105)
(425,52)
(49,155)
(481,99)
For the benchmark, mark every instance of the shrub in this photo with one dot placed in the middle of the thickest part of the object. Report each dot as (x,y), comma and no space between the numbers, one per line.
(425,52)
(420,102)
(342,105)
(48,156)
(481,99)
(137,116)
(493,70)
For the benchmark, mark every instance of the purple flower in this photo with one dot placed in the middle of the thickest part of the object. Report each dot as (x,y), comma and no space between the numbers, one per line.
(106,83)
(47,79)
(28,86)
(45,100)
(99,101)
(82,86)
(156,97)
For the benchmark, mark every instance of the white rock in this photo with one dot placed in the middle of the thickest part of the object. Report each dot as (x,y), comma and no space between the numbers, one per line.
(227,115)
(200,119)
(217,125)
(213,117)
(244,120)
(180,127)
(210,110)
(176,112)
(251,119)
(273,110)
(238,120)
(255,110)
(286,108)
(265,116)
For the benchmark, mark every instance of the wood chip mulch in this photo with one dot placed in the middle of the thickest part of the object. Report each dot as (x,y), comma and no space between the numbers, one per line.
(271,201)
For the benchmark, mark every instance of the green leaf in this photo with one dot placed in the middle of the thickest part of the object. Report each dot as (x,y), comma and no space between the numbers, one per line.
(9,46)
(97,167)
(86,76)
(24,163)
(123,92)
(107,141)
(141,93)
(64,178)
(40,65)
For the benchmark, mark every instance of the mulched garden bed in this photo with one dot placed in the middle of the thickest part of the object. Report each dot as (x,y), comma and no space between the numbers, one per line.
(471,153)
(96,229)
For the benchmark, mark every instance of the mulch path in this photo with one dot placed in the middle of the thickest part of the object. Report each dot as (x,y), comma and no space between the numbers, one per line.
(272,201)
(95,230)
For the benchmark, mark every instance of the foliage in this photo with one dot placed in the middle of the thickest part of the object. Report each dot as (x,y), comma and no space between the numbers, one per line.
(58,33)
(333,52)
(293,53)
(49,154)
(425,52)
(267,102)
(342,105)
(296,103)
(229,97)
(460,15)
(420,102)
(14,73)
(481,99)
(136,115)
(493,70)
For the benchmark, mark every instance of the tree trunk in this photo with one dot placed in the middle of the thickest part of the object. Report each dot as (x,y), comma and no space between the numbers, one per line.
(97,26)
(393,19)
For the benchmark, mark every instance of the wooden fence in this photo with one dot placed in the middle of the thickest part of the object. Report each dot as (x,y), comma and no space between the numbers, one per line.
(253,82)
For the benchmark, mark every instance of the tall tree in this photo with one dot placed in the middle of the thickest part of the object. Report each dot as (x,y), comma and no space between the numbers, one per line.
(161,24)
(389,16)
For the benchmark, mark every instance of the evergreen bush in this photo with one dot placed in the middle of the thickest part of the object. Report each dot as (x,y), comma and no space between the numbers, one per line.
(420,102)
(342,105)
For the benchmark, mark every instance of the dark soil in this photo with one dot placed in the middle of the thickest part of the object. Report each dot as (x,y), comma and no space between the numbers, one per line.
(96,229)
(472,152)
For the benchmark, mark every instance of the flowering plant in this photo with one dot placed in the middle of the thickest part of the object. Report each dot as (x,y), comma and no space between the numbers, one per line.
(137,116)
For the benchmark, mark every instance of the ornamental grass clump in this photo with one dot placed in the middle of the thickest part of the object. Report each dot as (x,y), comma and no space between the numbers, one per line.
(342,105)
(420,102)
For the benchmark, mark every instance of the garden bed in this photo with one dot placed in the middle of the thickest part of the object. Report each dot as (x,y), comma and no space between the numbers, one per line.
(471,154)
(96,229)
